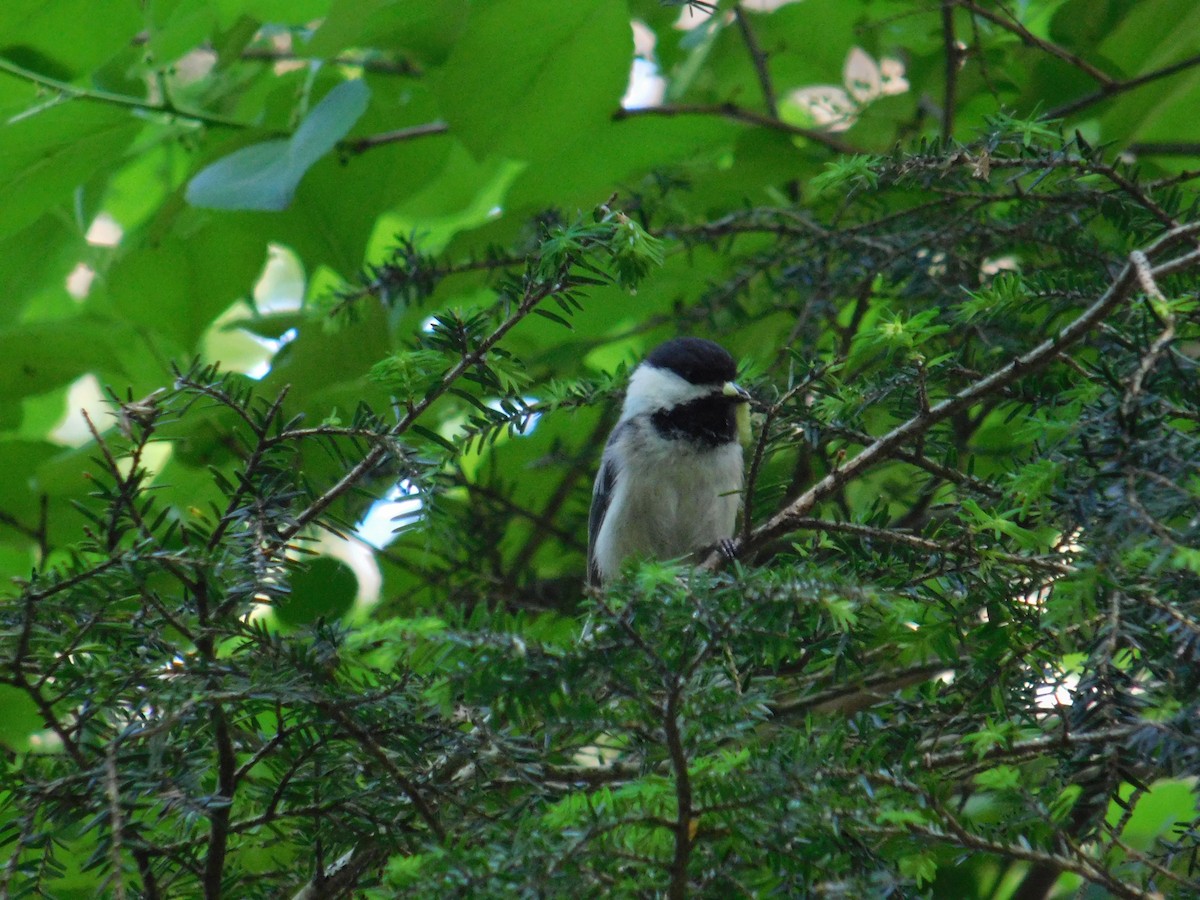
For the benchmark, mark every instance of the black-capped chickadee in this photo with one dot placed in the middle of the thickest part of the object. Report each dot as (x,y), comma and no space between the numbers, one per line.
(671,475)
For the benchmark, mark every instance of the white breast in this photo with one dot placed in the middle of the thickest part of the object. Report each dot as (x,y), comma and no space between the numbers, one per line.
(669,498)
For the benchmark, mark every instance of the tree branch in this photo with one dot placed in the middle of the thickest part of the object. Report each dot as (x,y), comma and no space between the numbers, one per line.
(400,135)
(1165,148)
(953,58)
(1121,87)
(739,114)
(377,453)
(368,743)
(759,59)
(1023,365)
(1010,23)
(682,826)
(77,93)
(948,829)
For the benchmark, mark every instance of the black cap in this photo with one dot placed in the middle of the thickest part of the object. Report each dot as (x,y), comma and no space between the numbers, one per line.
(695,360)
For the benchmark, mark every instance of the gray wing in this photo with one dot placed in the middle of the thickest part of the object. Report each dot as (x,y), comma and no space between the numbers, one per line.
(602,493)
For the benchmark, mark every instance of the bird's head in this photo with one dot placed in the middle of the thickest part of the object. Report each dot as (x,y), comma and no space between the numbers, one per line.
(685,376)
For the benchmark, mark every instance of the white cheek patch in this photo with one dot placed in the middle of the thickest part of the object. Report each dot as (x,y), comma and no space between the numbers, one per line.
(652,389)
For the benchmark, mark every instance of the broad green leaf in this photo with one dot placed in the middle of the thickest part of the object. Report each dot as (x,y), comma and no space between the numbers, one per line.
(464,194)
(55,245)
(65,39)
(19,460)
(285,12)
(1155,33)
(587,167)
(338,203)
(176,26)
(46,155)
(19,718)
(424,28)
(264,176)
(810,42)
(173,287)
(1081,24)
(1168,804)
(39,356)
(559,69)
(319,364)
(134,193)
(323,588)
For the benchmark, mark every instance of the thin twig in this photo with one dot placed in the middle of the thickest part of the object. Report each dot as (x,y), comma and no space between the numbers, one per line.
(1121,87)
(1031,361)
(13,523)
(245,478)
(1132,190)
(919,460)
(950,830)
(377,453)
(558,497)
(368,743)
(760,448)
(953,58)
(398,136)
(739,114)
(677,889)
(927,545)
(116,820)
(74,92)
(1010,23)
(1164,148)
(546,526)
(1032,747)
(852,696)
(759,60)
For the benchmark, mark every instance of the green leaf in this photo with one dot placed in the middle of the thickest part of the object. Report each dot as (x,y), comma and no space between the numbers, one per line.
(177,28)
(845,174)
(56,245)
(1061,806)
(921,867)
(44,355)
(425,28)
(285,12)
(999,778)
(634,250)
(560,70)
(19,461)
(324,588)
(265,176)
(172,285)
(409,375)
(1186,558)
(464,194)
(19,718)
(66,38)
(999,523)
(841,611)
(45,156)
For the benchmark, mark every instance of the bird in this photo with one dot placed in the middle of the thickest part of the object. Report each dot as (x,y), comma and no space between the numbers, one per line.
(671,472)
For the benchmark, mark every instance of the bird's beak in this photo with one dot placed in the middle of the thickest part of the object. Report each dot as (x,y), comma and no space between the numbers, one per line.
(741,397)
(731,390)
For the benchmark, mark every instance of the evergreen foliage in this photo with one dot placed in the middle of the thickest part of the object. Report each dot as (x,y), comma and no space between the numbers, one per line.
(958,654)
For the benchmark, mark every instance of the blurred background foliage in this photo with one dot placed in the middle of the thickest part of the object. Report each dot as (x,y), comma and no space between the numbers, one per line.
(314,317)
